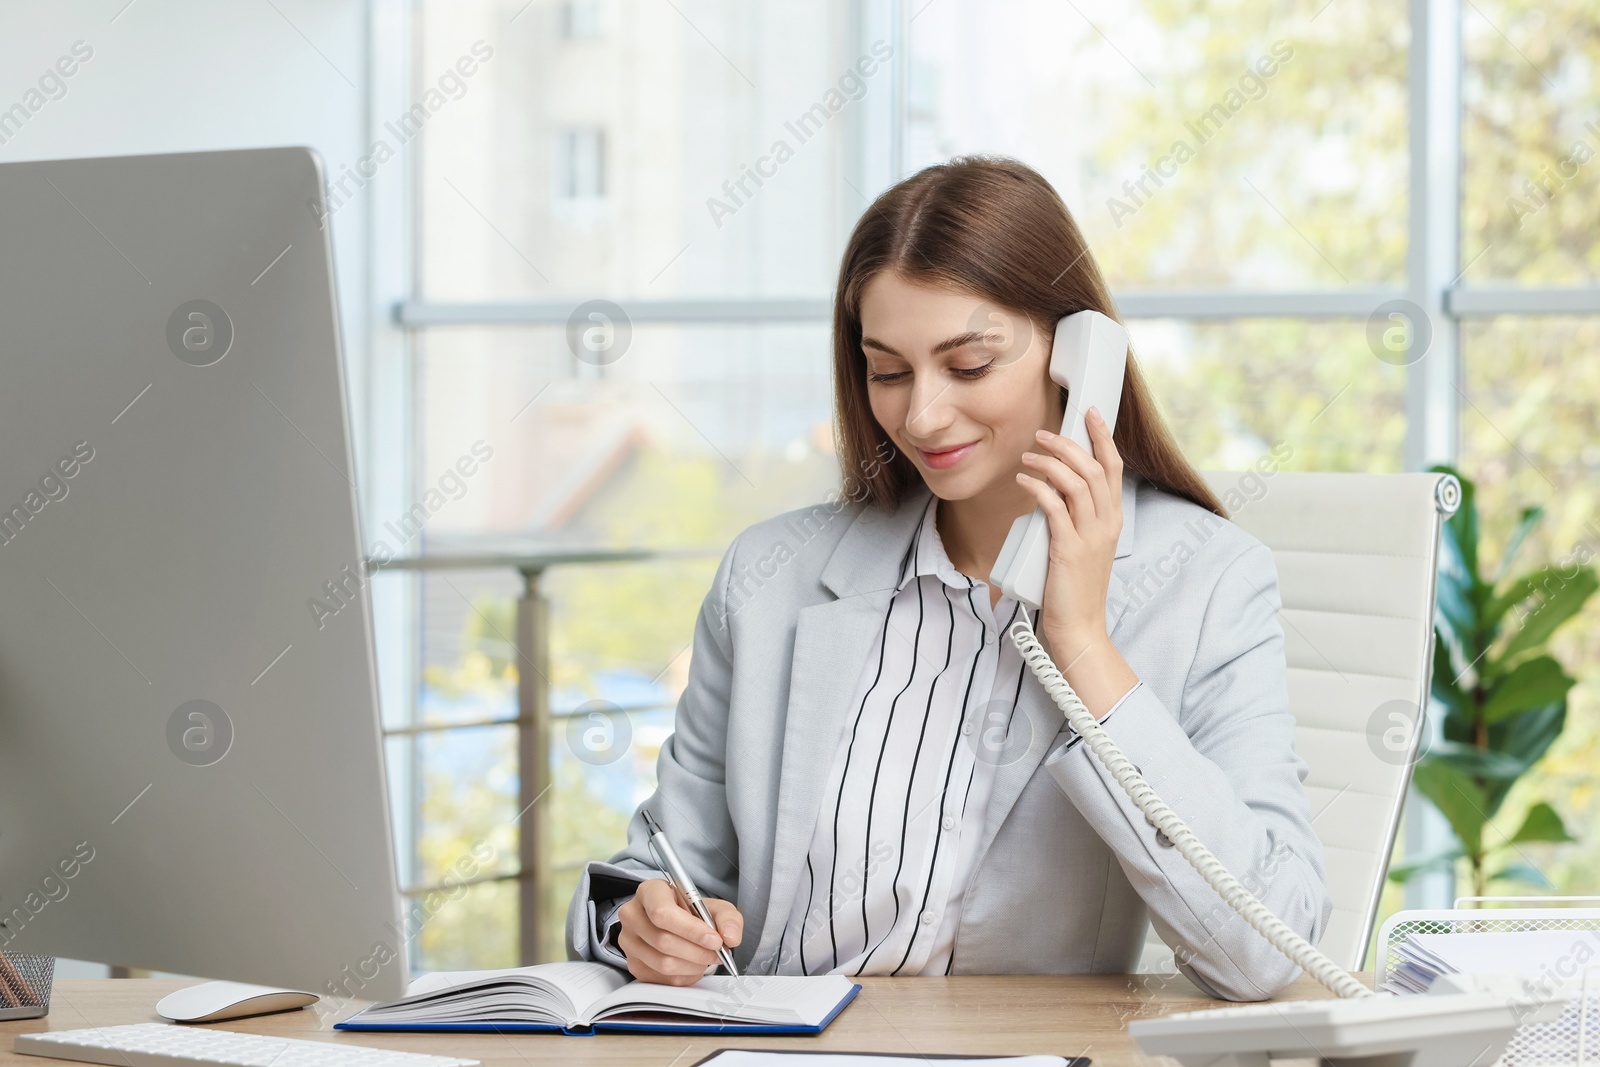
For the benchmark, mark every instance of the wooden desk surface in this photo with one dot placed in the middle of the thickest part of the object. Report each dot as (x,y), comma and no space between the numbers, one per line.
(1064,1015)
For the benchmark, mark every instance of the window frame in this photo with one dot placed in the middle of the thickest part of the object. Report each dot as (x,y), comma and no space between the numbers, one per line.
(1434,284)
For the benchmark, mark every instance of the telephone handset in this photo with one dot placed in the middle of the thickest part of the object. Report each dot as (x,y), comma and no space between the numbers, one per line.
(1467,1025)
(1087,358)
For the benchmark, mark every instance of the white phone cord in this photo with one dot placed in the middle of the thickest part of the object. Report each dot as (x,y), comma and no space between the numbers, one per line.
(1081,719)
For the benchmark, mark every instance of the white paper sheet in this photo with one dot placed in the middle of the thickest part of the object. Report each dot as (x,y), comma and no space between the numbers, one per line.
(748,1058)
(1538,955)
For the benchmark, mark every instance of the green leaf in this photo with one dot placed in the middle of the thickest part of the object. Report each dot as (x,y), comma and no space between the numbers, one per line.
(1459,590)
(1454,613)
(1404,872)
(1528,736)
(1519,589)
(1476,762)
(1542,824)
(1459,799)
(1560,599)
(1531,517)
(1531,684)
(1444,688)
(1515,592)
(1522,872)
(1525,737)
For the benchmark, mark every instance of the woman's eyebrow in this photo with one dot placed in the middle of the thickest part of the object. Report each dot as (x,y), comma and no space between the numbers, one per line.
(960,340)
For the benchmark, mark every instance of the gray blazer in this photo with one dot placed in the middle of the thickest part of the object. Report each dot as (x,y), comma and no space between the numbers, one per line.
(1069,869)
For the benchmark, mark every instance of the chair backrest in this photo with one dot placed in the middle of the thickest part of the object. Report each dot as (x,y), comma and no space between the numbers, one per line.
(1357,559)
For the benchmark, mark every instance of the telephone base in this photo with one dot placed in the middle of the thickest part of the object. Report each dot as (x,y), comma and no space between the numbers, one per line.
(1261,1059)
(1452,1030)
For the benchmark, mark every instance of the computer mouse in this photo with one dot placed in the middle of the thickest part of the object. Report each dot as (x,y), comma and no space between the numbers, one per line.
(211,1002)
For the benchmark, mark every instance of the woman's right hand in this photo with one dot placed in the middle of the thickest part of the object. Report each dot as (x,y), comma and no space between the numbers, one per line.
(666,942)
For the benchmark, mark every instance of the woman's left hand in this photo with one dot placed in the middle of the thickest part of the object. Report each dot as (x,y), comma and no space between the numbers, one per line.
(1081,495)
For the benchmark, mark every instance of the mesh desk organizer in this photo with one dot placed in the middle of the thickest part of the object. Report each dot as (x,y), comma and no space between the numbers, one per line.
(25,985)
(1573,1039)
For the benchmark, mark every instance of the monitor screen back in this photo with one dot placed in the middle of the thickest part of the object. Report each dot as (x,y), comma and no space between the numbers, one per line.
(191,772)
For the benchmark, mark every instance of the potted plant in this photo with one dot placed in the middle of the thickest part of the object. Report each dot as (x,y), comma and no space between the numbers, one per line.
(1503,696)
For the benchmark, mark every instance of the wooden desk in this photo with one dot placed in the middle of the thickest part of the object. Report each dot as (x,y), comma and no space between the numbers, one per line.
(1063,1015)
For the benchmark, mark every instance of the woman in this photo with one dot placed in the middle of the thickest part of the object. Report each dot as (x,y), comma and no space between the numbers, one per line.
(863,771)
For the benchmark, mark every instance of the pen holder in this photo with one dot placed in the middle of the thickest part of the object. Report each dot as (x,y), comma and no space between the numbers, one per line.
(25,985)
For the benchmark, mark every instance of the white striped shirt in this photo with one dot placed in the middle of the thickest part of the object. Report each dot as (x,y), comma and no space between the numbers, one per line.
(903,810)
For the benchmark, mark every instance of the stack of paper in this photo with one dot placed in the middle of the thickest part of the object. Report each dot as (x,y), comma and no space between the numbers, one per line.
(1551,958)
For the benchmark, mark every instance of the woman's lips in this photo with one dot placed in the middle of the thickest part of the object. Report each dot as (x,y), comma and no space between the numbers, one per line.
(945,458)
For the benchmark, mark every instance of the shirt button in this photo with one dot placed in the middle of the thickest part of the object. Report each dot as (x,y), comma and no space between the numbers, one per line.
(949,822)
(927,917)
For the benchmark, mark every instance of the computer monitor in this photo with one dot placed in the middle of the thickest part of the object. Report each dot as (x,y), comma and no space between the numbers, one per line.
(191,765)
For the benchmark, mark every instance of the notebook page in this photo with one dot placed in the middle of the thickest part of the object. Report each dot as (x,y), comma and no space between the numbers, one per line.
(778,999)
(752,1058)
(585,984)
(567,989)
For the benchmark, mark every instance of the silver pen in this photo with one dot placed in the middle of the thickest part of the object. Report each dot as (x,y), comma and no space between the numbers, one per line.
(678,878)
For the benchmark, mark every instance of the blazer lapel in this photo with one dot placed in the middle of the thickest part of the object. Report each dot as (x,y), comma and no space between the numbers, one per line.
(1036,712)
(832,640)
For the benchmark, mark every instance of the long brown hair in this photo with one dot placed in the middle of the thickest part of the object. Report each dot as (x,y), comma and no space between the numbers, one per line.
(996,228)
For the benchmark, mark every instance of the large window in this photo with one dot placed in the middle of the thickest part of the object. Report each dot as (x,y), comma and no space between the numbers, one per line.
(1199,145)
(625,219)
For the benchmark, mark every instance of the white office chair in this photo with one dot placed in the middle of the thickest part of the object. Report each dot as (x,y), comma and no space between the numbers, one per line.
(1356,557)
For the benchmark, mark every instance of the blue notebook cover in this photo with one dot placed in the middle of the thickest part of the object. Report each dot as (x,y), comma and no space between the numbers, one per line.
(355,1022)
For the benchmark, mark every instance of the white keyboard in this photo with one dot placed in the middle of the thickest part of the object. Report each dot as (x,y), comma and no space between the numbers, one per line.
(171,1045)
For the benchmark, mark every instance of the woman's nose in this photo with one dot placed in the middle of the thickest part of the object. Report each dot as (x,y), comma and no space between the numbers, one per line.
(929,411)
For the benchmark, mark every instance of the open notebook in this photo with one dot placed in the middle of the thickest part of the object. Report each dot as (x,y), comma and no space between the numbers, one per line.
(581,998)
